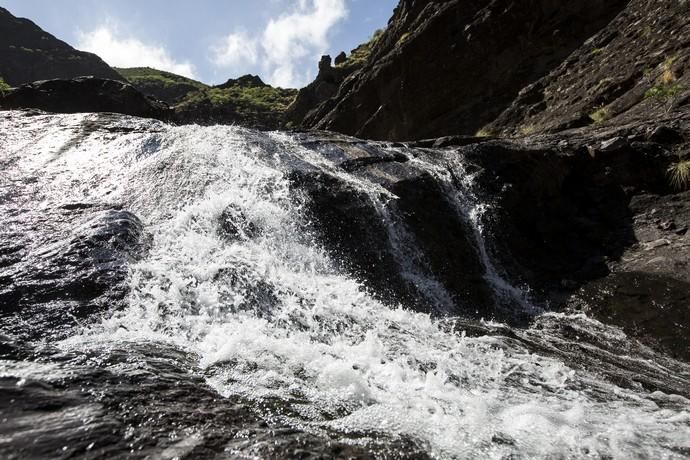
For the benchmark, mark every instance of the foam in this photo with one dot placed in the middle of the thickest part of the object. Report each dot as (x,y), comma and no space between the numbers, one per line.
(270,317)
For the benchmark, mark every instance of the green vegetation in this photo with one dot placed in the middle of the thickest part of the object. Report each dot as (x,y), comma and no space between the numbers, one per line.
(4,87)
(147,75)
(251,99)
(666,87)
(662,91)
(484,133)
(679,174)
(600,114)
(360,55)
(242,103)
(255,106)
(596,51)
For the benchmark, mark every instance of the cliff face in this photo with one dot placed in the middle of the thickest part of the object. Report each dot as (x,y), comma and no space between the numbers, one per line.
(635,68)
(28,53)
(462,66)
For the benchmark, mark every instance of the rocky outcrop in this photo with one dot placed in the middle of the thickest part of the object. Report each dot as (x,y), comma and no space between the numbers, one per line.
(28,53)
(84,94)
(324,87)
(451,67)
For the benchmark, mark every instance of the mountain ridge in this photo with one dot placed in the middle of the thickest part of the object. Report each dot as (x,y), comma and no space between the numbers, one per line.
(28,53)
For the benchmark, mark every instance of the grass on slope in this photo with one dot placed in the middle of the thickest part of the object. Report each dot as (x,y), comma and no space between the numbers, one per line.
(143,75)
(359,56)
(252,105)
(245,100)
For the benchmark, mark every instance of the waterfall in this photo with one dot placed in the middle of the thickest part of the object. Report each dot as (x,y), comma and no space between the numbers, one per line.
(234,275)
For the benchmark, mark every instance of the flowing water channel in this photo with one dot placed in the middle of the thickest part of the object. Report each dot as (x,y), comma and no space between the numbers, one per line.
(266,317)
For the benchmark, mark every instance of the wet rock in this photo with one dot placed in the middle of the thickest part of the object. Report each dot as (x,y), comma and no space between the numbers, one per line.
(556,216)
(414,246)
(243,290)
(47,290)
(142,401)
(233,224)
(84,94)
(649,306)
(648,291)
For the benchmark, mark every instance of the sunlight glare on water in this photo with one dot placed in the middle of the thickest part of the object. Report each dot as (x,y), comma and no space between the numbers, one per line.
(269,316)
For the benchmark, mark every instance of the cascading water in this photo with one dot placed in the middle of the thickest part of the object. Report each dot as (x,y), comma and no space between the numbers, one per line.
(233,277)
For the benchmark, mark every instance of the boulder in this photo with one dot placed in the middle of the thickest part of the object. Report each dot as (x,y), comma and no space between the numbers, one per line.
(84,94)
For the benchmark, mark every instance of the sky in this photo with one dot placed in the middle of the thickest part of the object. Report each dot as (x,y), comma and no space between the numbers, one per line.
(212,40)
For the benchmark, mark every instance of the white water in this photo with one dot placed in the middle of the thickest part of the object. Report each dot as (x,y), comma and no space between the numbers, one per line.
(339,357)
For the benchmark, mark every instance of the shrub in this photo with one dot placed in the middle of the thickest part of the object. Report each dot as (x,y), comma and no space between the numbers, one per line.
(600,114)
(484,133)
(4,87)
(663,91)
(679,174)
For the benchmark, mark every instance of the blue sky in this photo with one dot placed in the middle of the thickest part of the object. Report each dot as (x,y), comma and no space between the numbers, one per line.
(212,40)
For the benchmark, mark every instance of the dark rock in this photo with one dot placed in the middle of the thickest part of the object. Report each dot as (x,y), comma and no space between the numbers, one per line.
(324,87)
(417,249)
(84,94)
(631,69)
(325,64)
(341,58)
(429,75)
(556,216)
(651,307)
(648,291)
(246,81)
(666,135)
(235,225)
(27,53)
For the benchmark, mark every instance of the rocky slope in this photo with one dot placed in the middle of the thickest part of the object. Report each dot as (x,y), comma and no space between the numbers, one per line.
(502,67)
(635,68)
(28,53)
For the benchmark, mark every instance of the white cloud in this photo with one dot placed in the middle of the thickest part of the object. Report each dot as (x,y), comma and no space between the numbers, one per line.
(119,51)
(236,49)
(285,42)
